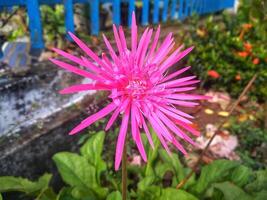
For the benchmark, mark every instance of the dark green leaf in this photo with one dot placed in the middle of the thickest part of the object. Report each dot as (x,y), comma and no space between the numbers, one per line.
(174,194)
(75,170)
(146,182)
(114,196)
(240,175)
(216,171)
(260,183)
(9,183)
(92,151)
(231,191)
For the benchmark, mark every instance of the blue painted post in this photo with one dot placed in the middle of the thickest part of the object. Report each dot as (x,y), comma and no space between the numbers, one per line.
(131,8)
(186,9)
(156,12)
(165,10)
(116,12)
(69,18)
(173,9)
(145,10)
(94,12)
(35,24)
(181,6)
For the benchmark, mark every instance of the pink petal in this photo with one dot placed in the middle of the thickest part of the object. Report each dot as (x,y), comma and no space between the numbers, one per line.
(117,39)
(93,118)
(174,128)
(155,42)
(147,132)
(188,128)
(122,37)
(134,33)
(176,82)
(158,131)
(182,103)
(173,115)
(69,56)
(84,87)
(121,138)
(86,49)
(176,73)
(140,145)
(187,97)
(73,69)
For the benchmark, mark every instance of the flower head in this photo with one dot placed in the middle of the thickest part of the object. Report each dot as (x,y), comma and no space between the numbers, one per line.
(140,90)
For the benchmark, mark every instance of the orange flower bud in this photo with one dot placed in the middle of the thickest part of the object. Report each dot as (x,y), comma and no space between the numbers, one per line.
(213,74)
(247,46)
(247,26)
(238,77)
(242,54)
(256,61)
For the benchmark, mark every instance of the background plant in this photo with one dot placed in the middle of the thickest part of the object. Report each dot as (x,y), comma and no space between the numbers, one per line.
(235,47)
(87,176)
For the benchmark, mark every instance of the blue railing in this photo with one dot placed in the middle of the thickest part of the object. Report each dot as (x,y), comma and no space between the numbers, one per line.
(164,9)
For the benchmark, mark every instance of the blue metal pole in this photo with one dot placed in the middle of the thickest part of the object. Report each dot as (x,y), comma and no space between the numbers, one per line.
(145,11)
(69,18)
(130,11)
(35,24)
(116,12)
(156,12)
(94,12)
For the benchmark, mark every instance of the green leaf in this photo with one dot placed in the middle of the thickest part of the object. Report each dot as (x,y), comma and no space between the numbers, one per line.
(260,183)
(146,182)
(174,194)
(161,169)
(47,194)
(152,153)
(151,193)
(65,194)
(216,171)
(9,183)
(75,170)
(174,162)
(114,196)
(260,195)
(1,198)
(241,175)
(231,191)
(92,151)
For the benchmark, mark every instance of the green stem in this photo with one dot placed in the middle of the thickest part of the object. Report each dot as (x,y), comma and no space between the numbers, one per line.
(124,173)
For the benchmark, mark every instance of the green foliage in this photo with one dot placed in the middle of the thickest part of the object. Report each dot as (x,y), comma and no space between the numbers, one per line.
(53,24)
(87,177)
(9,183)
(220,46)
(251,140)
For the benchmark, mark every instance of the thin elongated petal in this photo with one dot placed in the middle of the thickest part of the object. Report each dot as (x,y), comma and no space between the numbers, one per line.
(140,145)
(121,138)
(176,73)
(134,34)
(93,118)
(86,49)
(69,56)
(73,69)
(84,87)
(147,133)
(173,115)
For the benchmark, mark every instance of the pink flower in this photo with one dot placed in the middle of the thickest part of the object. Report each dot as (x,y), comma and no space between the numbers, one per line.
(139,88)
